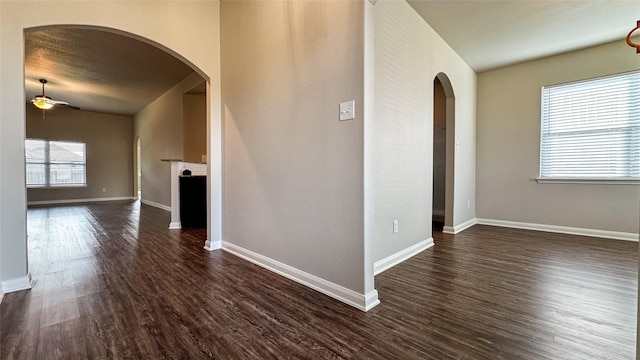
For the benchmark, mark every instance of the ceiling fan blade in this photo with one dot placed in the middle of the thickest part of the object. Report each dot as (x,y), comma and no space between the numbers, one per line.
(63,104)
(58,102)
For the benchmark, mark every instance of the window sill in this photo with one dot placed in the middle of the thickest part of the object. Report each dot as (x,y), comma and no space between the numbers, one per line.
(49,187)
(588,181)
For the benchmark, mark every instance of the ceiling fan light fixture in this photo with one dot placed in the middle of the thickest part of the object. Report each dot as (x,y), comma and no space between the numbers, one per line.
(41,102)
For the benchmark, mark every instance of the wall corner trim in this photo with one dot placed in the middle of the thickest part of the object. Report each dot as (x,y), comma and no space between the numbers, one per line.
(212,245)
(459,228)
(1,293)
(402,255)
(22,283)
(360,301)
(615,235)
(371,300)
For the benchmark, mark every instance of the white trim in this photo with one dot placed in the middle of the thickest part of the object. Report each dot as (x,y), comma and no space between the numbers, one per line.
(175,225)
(459,228)
(74,201)
(370,300)
(210,246)
(155,204)
(18,284)
(1,293)
(360,301)
(588,181)
(616,235)
(395,259)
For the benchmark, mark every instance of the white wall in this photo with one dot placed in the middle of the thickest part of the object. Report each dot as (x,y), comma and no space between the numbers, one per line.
(186,18)
(509,146)
(293,173)
(408,56)
(160,129)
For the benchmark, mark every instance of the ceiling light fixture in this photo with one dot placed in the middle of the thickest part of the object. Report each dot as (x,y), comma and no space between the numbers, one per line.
(629,42)
(41,101)
(44,102)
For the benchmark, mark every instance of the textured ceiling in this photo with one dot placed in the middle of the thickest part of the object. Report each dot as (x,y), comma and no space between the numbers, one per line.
(492,34)
(97,70)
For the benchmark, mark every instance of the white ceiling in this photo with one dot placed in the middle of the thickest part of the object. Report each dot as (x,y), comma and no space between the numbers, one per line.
(492,34)
(97,70)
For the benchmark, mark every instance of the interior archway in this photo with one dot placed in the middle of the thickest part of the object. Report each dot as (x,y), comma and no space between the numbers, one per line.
(124,17)
(91,74)
(447,109)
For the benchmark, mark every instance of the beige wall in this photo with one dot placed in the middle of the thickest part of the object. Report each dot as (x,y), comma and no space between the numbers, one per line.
(509,146)
(135,17)
(194,121)
(404,127)
(293,173)
(160,129)
(108,149)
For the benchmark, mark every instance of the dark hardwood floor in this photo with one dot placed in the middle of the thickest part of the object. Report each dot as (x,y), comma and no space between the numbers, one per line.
(112,282)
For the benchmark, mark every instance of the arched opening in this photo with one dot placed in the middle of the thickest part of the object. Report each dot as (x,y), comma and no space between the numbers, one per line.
(439,155)
(124,18)
(133,159)
(443,153)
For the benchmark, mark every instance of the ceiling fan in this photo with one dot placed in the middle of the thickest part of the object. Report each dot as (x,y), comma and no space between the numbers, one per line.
(45,102)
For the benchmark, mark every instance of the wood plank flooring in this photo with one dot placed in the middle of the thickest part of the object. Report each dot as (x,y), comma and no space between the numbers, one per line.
(111,282)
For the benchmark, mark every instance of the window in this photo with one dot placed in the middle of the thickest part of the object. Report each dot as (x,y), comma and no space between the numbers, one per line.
(55,163)
(591,130)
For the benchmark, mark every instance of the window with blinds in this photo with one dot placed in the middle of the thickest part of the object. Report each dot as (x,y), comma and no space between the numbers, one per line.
(55,163)
(591,129)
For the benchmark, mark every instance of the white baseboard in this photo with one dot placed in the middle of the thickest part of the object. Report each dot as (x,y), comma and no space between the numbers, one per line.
(155,204)
(74,201)
(459,228)
(616,235)
(360,301)
(18,284)
(395,259)
(175,225)
(212,245)
(1,293)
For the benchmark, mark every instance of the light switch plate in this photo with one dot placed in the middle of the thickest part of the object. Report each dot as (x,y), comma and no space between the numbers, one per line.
(347,110)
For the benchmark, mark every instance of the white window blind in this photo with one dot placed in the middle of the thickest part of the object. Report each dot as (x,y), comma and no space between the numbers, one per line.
(55,163)
(591,129)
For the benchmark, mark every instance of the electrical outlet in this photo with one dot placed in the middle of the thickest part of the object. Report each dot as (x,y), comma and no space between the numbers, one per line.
(395,226)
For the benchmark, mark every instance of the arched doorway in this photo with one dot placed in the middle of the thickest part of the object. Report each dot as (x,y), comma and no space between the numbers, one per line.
(111,73)
(443,153)
(124,19)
